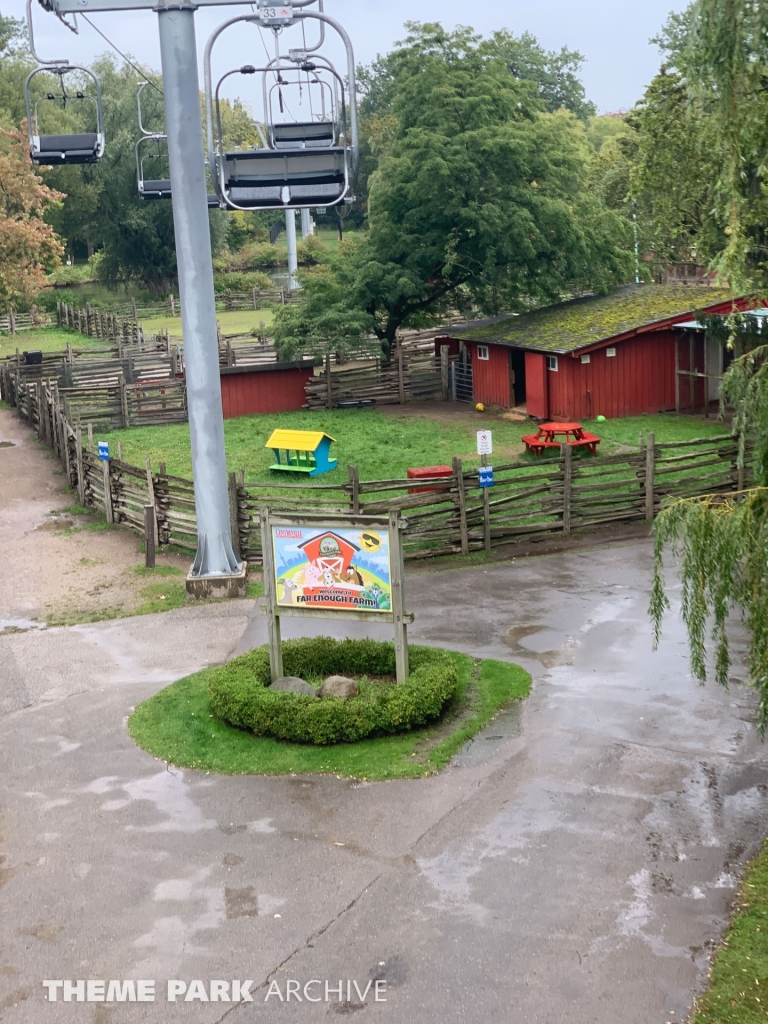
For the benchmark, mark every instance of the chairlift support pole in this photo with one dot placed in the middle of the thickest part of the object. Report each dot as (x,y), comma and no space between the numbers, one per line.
(184,128)
(293,258)
(215,556)
(306,222)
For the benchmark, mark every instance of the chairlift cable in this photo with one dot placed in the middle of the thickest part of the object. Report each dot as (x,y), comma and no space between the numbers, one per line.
(120,52)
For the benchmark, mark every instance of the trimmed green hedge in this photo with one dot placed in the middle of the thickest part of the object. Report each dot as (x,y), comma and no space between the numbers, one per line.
(239,691)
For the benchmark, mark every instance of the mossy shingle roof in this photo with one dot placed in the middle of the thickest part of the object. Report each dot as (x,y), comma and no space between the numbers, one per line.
(587,321)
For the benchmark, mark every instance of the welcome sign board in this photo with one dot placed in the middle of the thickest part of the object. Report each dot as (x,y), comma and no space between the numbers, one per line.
(334,568)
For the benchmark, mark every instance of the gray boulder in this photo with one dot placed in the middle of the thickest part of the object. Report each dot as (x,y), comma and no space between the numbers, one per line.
(339,686)
(292,684)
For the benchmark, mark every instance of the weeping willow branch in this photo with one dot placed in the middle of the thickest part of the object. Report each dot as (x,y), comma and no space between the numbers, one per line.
(745,387)
(722,543)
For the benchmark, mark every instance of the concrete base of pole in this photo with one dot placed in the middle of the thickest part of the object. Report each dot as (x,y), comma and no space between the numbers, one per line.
(207,588)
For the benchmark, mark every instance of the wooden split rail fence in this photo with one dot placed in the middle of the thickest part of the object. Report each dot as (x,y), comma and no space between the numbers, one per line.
(414,375)
(447,515)
(12,323)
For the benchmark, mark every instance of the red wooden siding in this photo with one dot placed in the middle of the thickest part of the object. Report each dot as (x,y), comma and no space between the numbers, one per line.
(490,377)
(264,391)
(640,378)
(537,378)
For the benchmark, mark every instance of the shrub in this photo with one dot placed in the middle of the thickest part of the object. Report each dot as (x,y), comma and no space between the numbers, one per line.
(241,282)
(239,691)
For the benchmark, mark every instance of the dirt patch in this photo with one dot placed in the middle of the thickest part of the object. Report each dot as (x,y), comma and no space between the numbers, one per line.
(55,563)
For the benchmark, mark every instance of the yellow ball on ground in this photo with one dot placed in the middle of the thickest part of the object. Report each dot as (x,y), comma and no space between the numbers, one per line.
(480,407)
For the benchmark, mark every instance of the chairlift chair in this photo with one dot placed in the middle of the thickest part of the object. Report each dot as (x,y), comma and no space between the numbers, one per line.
(304,163)
(79,148)
(154,188)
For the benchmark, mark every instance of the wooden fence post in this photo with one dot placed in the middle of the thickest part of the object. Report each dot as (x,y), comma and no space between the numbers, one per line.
(150,529)
(43,411)
(398,597)
(151,492)
(38,388)
(107,491)
(90,438)
(400,372)
(650,472)
(54,420)
(462,498)
(65,449)
(567,454)
(123,399)
(354,479)
(273,619)
(328,382)
(444,368)
(486,512)
(234,526)
(79,464)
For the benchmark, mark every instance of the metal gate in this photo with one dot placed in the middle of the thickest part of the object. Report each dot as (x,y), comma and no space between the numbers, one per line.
(461,379)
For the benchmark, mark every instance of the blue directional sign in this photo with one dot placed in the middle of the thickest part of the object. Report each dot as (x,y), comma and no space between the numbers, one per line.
(104,451)
(486,476)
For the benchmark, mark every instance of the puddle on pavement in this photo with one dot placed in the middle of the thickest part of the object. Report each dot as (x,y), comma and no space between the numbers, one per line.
(19,625)
(505,725)
(7,444)
(555,658)
(56,525)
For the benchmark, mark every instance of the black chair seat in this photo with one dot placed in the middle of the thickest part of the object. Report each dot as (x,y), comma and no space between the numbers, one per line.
(160,188)
(259,177)
(71,149)
(155,188)
(304,135)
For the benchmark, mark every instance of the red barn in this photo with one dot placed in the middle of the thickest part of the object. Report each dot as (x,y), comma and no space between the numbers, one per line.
(614,355)
(264,388)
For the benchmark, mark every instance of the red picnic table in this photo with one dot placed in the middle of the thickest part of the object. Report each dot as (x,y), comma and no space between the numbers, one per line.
(572,434)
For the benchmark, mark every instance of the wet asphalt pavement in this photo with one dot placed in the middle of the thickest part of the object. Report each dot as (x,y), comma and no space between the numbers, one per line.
(576,864)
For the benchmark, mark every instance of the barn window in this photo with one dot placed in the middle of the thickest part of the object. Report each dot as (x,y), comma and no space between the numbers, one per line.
(586,359)
(552,362)
(610,353)
(482,352)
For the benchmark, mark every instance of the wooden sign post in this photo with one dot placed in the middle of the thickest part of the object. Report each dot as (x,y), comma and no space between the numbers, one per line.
(334,566)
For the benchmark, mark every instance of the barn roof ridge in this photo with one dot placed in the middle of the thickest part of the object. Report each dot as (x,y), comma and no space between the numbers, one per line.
(593,319)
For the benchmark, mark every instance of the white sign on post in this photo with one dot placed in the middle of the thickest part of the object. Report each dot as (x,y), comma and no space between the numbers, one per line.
(484,442)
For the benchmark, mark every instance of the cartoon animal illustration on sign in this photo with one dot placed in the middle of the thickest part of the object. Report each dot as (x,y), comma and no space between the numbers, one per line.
(312,576)
(289,587)
(352,575)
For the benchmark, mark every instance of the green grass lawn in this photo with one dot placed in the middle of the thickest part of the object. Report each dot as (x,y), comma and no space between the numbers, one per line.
(44,339)
(383,445)
(177,725)
(236,321)
(738,982)
(54,339)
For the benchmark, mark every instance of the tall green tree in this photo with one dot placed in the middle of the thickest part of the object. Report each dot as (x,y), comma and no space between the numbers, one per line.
(719,48)
(482,196)
(551,76)
(324,323)
(674,173)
